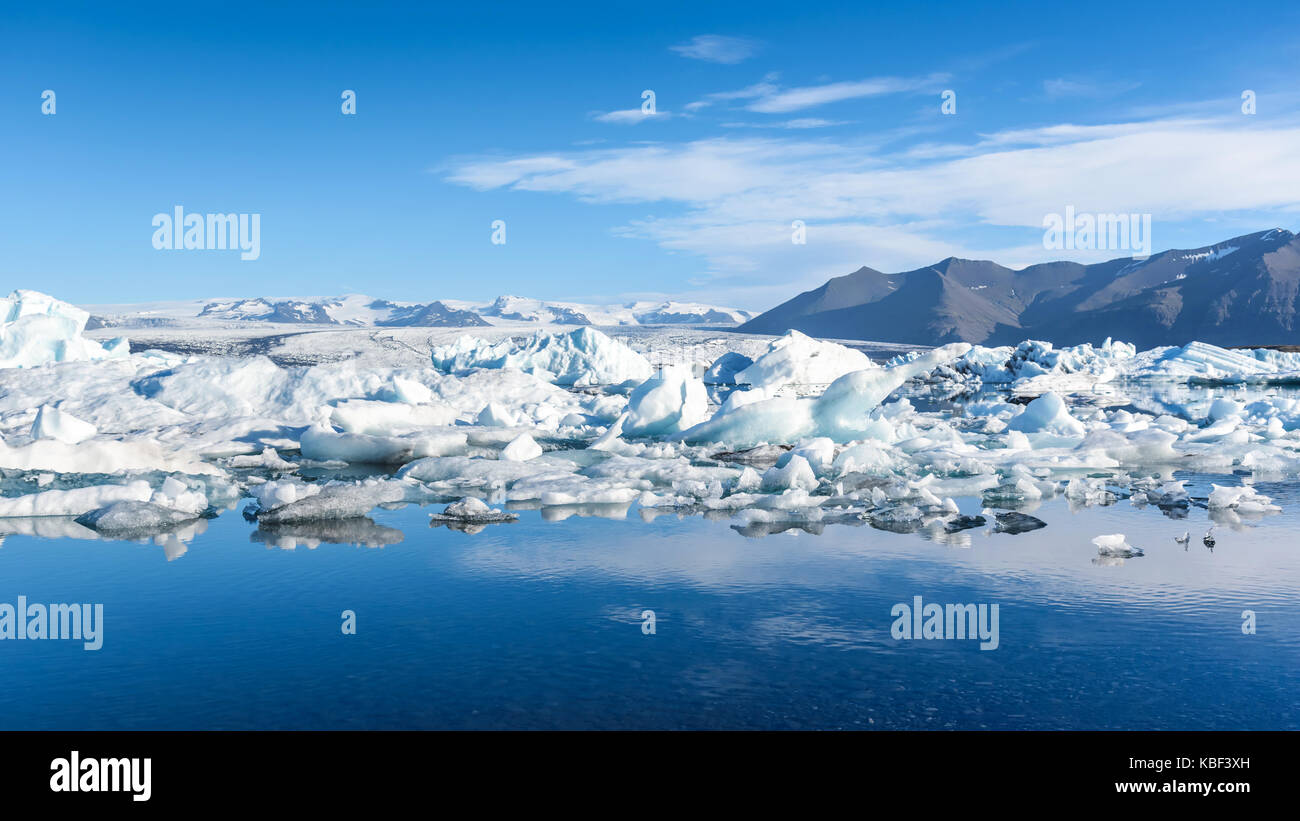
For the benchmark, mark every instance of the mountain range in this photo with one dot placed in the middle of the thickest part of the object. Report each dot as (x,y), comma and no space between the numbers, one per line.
(1242,291)
(365,311)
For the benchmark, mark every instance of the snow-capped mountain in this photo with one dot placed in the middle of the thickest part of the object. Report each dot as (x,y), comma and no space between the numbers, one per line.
(365,311)
(350,310)
(523,309)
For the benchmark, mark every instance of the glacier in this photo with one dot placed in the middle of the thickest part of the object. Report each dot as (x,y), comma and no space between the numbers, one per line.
(97,440)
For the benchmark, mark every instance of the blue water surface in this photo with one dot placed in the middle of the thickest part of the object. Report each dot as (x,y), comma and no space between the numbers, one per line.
(538,624)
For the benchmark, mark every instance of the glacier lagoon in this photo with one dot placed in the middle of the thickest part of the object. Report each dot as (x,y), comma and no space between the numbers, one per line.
(259,535)
(538,624)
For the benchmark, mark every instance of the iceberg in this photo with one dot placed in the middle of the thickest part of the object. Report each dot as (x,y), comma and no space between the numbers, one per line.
(37,329)
(724,369)
(579,358)
(521,449)
(1115,544)
(796,359)
(668,403)
(1242,498)
(131,518)
(293,501)
(472,510)
(52,423)
(840,414)
(1047,414)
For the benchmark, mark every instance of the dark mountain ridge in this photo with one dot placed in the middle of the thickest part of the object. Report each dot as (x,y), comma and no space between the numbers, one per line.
(1241,291)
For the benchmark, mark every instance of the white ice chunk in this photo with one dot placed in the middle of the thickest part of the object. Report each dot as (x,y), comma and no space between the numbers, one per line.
(1047,414)
(325,445)
(386,418)
(1242,498)
(74,502)
(797,359)
(472,510)
(52,423)
(1115,544)
(37,329)
(583,357)
(668,403)
(724,369)
(289,501)
(841,413)
(796,474)
(521,449)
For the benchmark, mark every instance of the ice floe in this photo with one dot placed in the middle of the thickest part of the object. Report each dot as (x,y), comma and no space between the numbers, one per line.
(667,403)
(36,329)
(1115,544)
(811,434)
(799,360)
(582,357)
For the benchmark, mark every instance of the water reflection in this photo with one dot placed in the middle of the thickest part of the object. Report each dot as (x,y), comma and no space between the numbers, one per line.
(360,532)
(173,539)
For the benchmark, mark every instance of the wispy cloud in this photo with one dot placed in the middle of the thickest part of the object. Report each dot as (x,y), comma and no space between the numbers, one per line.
(1065,87)
(797,123)
(764,88)
(731,200)
(768,97)
(717,48)
(629,116)
(796,99)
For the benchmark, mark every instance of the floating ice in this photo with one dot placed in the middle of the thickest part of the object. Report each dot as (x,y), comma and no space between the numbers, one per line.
(325,445)
(668,403)
(521,449)
(1047,414)
(75,501)
(841,413)
(268,459)
(287,501)
(134,518)
(380,418)
(1242,498)
(583,357)
(800,460)
(724,369)
(795,474)
(36,329)
(796,359)
(52,423)
(97,456)
(1014,522)
(1114,544)
(472,510)
(173,495)
(1199,362)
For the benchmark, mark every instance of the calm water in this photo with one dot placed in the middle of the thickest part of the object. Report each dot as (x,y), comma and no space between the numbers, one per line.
(537,624)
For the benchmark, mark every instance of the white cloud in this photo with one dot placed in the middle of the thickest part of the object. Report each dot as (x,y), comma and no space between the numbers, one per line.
(629,116)
(797,123)
(766,87)
(1062,87)
(731,200)
(716,48)
(795,99)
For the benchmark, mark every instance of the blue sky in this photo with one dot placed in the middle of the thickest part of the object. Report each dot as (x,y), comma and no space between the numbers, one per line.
(767,113)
